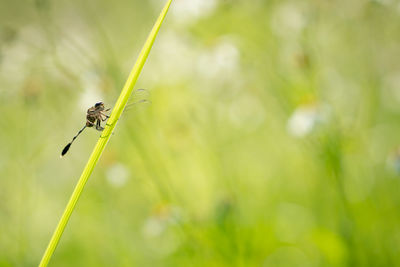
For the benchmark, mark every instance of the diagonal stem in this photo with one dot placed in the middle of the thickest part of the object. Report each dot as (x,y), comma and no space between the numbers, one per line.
(94,157)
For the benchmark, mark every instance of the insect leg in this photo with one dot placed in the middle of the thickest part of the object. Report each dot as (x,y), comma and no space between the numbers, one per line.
(105,115)
(98,125)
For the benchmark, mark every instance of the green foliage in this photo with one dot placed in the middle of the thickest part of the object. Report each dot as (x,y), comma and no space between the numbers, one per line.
(271,138)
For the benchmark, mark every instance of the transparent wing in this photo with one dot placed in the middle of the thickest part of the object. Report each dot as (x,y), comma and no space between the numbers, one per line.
(139,97)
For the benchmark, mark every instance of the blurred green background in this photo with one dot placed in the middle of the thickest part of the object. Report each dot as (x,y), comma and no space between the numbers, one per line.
(272,137)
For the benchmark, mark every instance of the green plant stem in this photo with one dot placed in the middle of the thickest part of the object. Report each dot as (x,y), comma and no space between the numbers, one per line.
(107,132)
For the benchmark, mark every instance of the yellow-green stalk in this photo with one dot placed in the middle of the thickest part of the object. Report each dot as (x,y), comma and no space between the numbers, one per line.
(105,136)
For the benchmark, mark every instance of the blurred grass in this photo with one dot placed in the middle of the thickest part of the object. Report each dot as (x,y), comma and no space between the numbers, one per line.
(272,137)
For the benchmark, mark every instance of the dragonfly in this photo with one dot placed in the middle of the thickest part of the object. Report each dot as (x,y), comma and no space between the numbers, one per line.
(95,115)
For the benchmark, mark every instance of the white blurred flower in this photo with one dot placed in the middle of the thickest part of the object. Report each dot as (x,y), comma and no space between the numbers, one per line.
(117,175)
(177,56)
(186,11)
(222,61)
(305,118)
(172,58)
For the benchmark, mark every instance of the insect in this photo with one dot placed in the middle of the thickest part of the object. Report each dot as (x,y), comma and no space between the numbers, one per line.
(94,116)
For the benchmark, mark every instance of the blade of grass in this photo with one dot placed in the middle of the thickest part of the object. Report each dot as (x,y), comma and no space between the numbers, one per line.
(105,136)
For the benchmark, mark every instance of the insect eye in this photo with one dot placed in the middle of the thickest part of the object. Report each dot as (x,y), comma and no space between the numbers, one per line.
(98,104)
